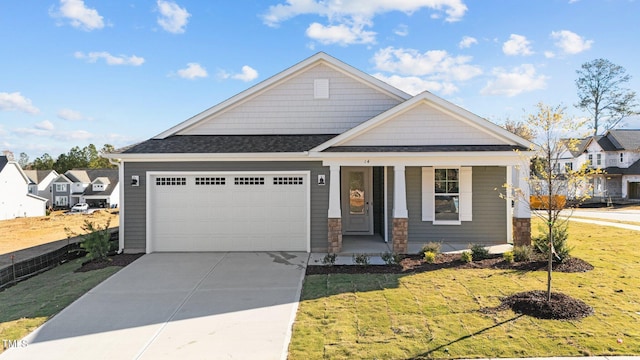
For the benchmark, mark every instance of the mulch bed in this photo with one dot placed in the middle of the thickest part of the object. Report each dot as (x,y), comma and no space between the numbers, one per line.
(113,260)
(415,264)
(535,303)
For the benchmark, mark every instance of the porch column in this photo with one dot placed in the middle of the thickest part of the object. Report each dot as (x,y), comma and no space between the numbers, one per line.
(335,212)
(400,230)
(522,208)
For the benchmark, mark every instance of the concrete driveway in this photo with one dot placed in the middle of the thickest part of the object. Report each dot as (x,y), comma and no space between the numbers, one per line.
(179,305)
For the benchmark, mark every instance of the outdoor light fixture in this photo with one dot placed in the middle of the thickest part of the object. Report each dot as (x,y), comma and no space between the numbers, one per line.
(135,180)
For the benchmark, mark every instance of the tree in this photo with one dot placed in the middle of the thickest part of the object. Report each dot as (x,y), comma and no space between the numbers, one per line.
(601,93)
(23,161)
(556,134)
(520,128)
(99,162)
(44,162)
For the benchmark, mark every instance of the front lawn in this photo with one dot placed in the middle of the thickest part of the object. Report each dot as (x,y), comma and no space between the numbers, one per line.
(30,303)
(436,314)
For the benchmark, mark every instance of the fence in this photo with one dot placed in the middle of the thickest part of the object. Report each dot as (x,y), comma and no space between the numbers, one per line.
(24,269)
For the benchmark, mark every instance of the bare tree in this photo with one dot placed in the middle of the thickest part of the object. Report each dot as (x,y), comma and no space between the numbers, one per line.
(602,93)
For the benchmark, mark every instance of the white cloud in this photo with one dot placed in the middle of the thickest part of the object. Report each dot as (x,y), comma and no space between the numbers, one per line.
(172,17)
(248,74)
(414,85)
(193,71)
(549,54)
(511,83)
(72,115)
(401,30)
(93,57)
(570,42)
(79,15)
(466,42)
(437,64)
(45,125)
(15,101)
(340,34)
(517,45)
(347,20)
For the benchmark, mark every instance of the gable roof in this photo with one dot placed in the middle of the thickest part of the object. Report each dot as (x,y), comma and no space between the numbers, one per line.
(502,136)
(3,162)
(37,176)
(624,139)
(314,60)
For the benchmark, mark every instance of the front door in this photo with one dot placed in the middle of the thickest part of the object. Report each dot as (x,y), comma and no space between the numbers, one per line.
(357,205)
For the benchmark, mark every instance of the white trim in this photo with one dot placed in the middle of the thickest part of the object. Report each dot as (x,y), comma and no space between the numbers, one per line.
(428,184)
(399,193)
(509,200)
(335,206)
(466,193)
(148,190)
(121,207)
(385,210)
(301,156)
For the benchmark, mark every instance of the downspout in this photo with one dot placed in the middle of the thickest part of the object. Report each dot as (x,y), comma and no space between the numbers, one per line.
(120,165)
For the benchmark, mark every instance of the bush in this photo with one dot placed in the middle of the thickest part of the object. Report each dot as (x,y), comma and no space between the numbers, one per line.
(466,257)
(360,259)
(329,259)
(433,247)
(522,253)
(391,258)
(96,242)
(429,257)
(479,252)
(508,256)
(560,235)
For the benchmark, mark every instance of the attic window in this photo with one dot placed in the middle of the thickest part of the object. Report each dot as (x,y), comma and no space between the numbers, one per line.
(321,88)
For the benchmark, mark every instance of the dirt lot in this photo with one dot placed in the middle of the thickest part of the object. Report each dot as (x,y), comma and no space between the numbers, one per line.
(22,233)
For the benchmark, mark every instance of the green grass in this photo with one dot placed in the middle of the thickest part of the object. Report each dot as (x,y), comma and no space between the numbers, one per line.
(435,314)
(30,303)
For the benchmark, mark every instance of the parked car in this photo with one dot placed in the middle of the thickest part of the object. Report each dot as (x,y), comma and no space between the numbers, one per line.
(80,207)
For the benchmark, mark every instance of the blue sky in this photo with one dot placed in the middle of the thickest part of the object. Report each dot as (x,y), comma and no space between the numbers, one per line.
(75,72)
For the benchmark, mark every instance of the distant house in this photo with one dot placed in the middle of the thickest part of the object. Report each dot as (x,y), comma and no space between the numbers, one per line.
(15,199)
(617,154)
(97,187)
(41,183)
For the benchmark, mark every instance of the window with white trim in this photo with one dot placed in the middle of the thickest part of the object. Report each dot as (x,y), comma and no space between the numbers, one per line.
(248,181)
(61,187)
(288,180)
(171,181)
(446,195)
(201,181)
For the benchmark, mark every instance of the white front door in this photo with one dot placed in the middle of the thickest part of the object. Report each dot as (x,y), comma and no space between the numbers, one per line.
(357,205)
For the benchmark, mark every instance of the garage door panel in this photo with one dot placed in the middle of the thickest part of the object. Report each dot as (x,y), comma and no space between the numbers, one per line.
(231,212)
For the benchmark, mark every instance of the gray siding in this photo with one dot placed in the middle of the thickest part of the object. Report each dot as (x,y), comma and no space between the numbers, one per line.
(135,197)
(489,225)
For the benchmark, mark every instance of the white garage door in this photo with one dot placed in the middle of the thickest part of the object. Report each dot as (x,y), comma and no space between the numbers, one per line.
(228,212)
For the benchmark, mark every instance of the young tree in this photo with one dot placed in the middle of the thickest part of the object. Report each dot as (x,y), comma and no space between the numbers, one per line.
(602,93)
(547,180)
(520,128)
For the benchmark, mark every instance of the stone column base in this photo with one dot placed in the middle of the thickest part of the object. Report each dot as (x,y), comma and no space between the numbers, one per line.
(335,236)
(400,235)
(521,231)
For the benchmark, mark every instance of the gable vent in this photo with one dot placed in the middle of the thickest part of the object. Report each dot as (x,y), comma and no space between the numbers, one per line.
(321,88)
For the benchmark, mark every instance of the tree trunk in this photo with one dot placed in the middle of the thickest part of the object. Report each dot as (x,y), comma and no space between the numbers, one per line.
(550,265)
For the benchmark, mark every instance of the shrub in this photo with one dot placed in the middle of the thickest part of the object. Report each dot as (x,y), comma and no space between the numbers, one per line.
(391,258)
(429,257)
(560,235)
(508,256)
(329,259)
(479,252)
(522,253)
(96,242)
(360,259)
(433,247)
(466,256)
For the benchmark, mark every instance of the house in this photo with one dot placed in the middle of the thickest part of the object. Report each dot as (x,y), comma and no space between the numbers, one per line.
(96,187)
(41,183)
(318,155)
(15,199)
(617,155)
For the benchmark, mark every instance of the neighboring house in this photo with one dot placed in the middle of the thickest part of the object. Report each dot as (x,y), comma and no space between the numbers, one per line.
(41,183)
(318,155)
(15,199)
(100,188)
(617,154)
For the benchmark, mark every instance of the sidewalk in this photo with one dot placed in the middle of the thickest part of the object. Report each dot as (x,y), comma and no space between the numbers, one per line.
(605,223)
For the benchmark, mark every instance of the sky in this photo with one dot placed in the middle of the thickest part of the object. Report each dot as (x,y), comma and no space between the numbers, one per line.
(79,72)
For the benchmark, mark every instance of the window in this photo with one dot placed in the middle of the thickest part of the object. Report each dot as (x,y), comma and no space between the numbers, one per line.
(621,157)
(290,180)
(568,167)
(61,201)
(210,181)
(446,195)
(61,187)
(590,163)
(171,181)
(599,159)
(249,181)
(98,187)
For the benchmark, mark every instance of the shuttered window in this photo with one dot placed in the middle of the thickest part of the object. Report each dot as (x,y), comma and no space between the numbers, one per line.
(446,195)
